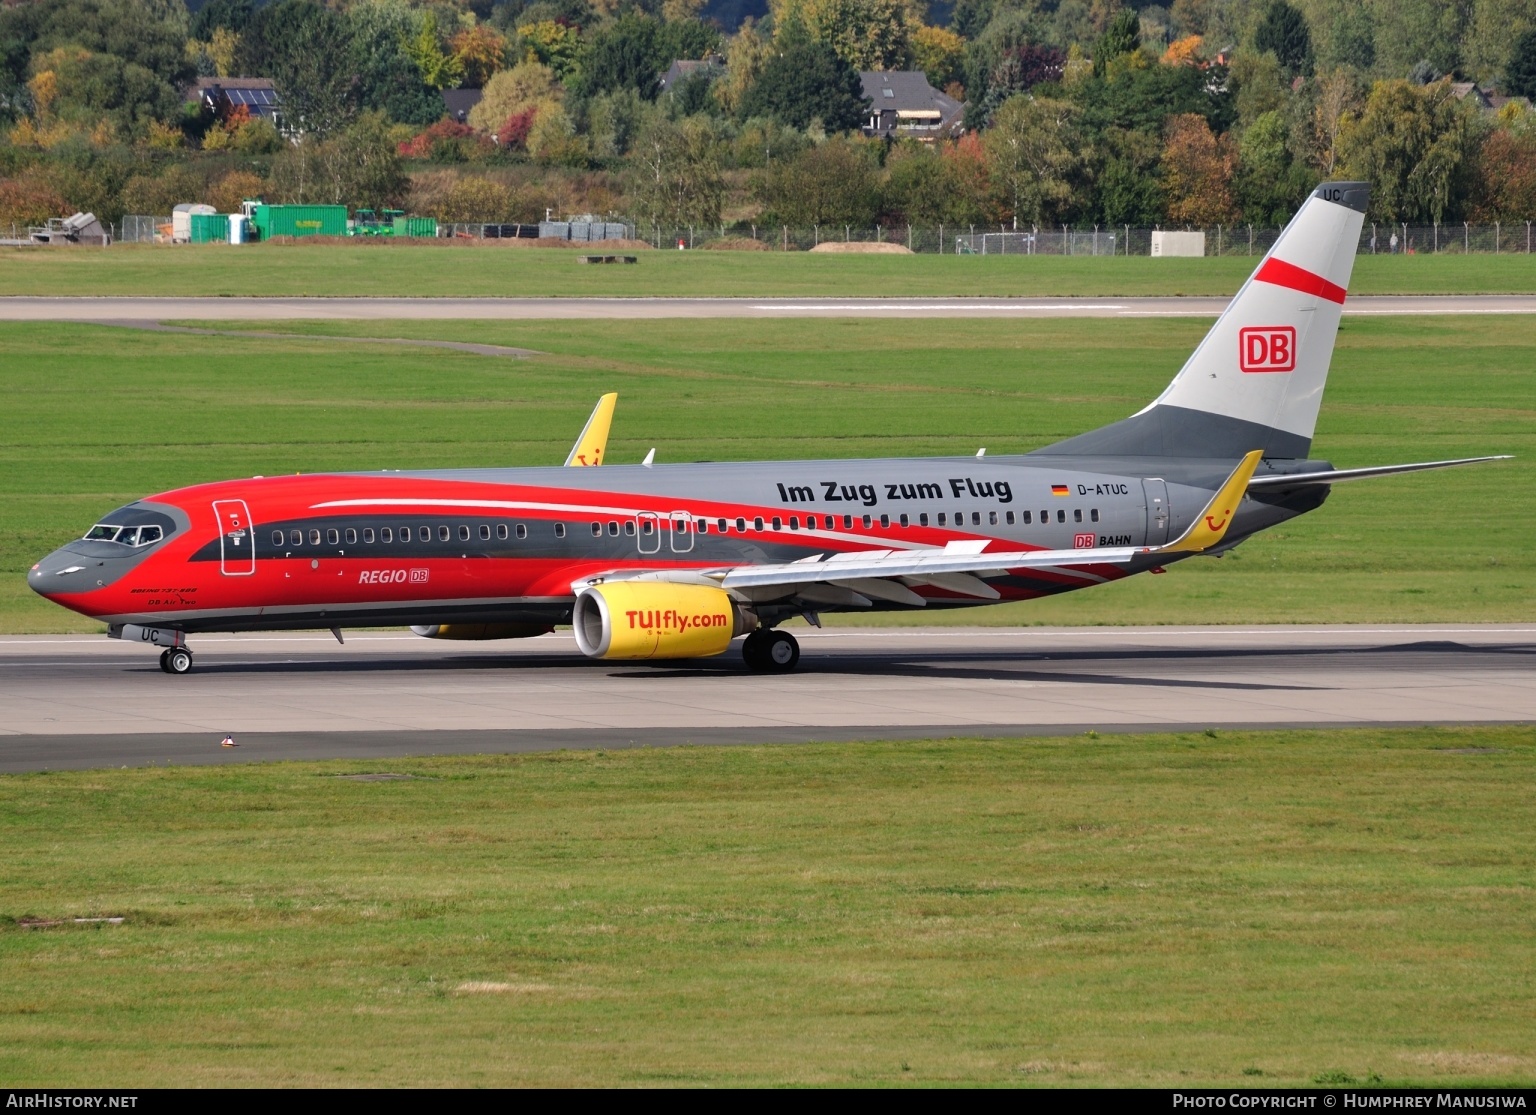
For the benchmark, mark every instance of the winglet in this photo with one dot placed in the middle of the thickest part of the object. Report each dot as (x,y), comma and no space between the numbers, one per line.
(1211,526)
(593,442)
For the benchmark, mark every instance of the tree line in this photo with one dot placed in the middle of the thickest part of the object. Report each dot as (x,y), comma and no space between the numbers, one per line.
(1077,112)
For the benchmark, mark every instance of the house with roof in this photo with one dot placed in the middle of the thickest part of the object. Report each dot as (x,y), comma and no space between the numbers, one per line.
(457,103)
(902,103)
(221,95)
(711,66)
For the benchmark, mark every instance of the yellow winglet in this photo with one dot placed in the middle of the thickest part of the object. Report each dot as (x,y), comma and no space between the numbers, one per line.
(1211,527)
(593,442)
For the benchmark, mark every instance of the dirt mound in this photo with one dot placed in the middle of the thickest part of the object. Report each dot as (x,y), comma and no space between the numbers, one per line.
(863,247)
(736,244)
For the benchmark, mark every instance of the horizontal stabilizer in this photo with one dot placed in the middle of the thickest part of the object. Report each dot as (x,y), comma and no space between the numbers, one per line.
(1339,475)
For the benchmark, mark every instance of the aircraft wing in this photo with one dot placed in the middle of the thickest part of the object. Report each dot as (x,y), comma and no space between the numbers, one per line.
(959,567)
(1338,475)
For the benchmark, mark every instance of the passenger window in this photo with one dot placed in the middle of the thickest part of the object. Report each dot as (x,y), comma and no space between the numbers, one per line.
(559,530)
(702,526)
(647,527)
(597,530)
(868,522)
(463,533)
(386,534)
(922,520)
(613,527)
(975,518)
(351,537)
(943,519)
(794,522)
(778,523)
(295,538)
(1061,515)
(757,523)
(485,532)
(905,521)
(847,522)
(405,534)
(1094,514)
(722,526)
(1077,514)
(444,534)
(314,537)
(1045,517)
(1028,517)
(501,531)
(992,518)
(741,526)
(277,538)
(1009,517)
(522,530)
(629,528)
(885,520)
(332,537)
(368,535)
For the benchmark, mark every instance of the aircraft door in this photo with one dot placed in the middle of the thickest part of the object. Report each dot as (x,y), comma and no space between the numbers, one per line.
(237,539)
(682,532)
(649,536)
(1156,491)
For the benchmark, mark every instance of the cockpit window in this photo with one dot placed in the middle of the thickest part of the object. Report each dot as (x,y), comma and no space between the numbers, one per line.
(124,536)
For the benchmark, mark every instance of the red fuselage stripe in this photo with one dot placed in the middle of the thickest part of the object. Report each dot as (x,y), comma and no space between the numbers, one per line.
(1288,275)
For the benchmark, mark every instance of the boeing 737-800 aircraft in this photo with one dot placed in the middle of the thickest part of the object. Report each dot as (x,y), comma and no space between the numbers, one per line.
(676,561)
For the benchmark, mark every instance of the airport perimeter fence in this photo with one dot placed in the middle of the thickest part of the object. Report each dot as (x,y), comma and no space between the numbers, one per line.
(1220,240)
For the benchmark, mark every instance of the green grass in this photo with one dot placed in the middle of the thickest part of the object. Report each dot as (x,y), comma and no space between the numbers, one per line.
(1229,909)
(98,416)
(397,270)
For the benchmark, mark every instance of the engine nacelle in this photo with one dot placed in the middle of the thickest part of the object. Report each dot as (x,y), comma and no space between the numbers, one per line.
(476,631)
(653,619)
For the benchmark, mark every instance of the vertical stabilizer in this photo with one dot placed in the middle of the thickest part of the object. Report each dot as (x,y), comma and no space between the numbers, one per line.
(1256,381)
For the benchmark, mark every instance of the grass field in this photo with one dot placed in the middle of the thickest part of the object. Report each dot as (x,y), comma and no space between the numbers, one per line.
(99,416)
(1232,909)
(398,270)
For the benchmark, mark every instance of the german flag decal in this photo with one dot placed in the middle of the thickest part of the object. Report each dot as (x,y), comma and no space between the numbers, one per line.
(1060,490)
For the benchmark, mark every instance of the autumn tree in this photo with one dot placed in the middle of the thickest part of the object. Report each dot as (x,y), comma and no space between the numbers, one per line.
(676,178)
(512,91)
(867,34)
(1122,35)
(1506,178)
(1416,146)
(1198,166)
(481,51)
(832,183)
(940,54)
(1035,148)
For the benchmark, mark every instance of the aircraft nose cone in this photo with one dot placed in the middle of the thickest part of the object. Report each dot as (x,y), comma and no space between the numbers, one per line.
(60,573)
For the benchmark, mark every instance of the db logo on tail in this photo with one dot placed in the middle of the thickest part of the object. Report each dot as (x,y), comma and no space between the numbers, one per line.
(1267,348)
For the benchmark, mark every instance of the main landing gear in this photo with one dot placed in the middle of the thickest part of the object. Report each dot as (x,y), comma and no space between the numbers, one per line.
(770,652)
(176,660)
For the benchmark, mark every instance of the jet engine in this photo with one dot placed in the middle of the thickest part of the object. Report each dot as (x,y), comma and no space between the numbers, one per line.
(652,619)
(477,631)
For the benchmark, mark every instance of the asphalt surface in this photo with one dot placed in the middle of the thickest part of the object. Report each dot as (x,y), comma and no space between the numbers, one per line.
(131,309)
(82,701)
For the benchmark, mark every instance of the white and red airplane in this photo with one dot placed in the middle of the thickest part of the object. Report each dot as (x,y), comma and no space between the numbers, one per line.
(676,561)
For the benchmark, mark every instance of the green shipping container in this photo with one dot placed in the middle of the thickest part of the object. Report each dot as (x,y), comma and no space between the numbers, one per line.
(416,226)
(300,220)
(210,228)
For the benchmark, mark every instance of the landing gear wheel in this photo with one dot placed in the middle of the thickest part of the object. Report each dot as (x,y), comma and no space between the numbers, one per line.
(770,652)
(164,654)
(177,661)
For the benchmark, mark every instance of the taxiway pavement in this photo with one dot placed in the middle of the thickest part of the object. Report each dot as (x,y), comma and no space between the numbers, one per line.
(134,309)
(83,701)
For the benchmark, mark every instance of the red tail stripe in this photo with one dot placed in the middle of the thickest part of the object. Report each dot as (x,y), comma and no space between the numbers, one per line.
(1280,273)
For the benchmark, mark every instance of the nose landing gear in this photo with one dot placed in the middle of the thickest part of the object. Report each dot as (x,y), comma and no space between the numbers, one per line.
(176,660)
(770,652)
